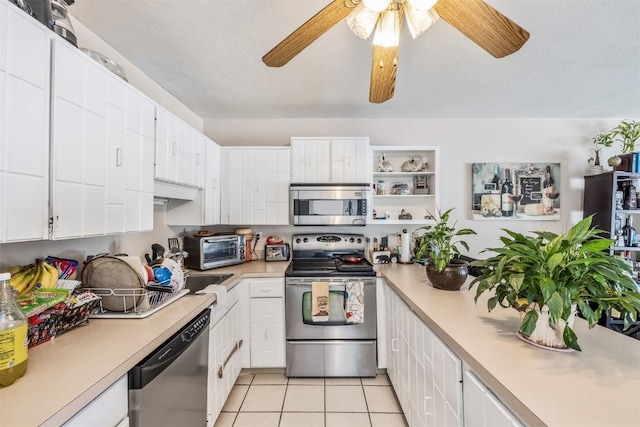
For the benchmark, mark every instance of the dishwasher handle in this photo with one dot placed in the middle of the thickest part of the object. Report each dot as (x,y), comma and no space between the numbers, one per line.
(152,366)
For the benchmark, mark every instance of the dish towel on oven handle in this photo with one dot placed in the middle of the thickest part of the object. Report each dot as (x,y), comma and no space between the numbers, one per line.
(320,301)
(355,301)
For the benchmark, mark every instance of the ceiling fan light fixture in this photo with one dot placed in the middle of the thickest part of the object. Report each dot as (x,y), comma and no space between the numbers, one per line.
(388,29)
(422,5)
(376,5)
(418,20)
(362,21)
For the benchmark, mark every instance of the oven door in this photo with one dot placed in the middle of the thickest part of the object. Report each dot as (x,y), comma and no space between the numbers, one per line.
(299,324)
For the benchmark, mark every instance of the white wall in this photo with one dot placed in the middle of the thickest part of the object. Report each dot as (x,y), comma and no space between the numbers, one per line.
(462,142)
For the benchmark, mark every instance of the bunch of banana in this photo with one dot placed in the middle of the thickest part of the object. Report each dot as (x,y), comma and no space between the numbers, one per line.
(25,278)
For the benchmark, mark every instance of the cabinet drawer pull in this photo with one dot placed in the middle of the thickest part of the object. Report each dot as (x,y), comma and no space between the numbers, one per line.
(394,344)
(197,158)
(175,148)
(118,156)
(235,348)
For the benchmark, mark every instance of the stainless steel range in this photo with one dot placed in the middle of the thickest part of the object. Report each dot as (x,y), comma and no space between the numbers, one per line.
(343,344)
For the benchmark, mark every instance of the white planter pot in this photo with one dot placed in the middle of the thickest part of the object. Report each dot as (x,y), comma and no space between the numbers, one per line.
(545,336)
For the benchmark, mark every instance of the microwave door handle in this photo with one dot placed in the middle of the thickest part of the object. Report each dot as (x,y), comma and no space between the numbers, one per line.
(350,208)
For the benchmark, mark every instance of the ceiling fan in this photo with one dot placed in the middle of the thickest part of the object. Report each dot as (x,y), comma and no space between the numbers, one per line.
(480,22)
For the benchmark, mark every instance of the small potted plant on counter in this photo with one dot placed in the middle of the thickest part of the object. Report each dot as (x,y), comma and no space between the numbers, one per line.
(548,276)
(439,245)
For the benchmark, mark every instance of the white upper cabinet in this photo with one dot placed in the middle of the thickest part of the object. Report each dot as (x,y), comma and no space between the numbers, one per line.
(330,160)
(256,186)
(102,149)
(204,209)
(180,155)
(24,126)
(138,157)
(79,143)
(212,183)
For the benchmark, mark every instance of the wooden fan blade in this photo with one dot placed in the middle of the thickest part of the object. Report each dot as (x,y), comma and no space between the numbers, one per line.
(306,34)
(384,66)
(383,73)
(487,27)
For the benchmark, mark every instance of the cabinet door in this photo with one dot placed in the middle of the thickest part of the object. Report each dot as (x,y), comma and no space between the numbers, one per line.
(267,332)
(215,385)
(212,183)
(277,186)
(79,143)
(259,188)
(109,409)
(24,126)
(311,160)
(138,161)
(482,408)
(161,170)
(447,385)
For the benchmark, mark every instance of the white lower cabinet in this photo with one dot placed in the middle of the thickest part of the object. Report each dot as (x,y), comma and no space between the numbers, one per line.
(109,409)
(425,374)
(481,407)
(224,356)
(266,300)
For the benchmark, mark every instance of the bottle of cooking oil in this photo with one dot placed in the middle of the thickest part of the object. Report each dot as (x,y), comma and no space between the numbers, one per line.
(13,335)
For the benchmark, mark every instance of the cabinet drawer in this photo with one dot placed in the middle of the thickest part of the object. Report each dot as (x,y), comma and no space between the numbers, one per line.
(267,288)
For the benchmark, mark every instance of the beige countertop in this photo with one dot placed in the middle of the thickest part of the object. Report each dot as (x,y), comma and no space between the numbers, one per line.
(596,387)
(67,373)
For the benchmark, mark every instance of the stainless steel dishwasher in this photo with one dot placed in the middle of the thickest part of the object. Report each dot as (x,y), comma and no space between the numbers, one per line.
(169,387)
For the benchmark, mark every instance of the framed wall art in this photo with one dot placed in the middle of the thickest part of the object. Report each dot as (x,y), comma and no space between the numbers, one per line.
(516,191)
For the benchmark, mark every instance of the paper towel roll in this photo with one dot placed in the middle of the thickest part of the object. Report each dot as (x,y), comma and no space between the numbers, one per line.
(405,247)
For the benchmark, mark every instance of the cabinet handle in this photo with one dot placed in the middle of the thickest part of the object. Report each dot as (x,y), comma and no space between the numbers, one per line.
(197,158)
(118,156)
(424,404)
(394,344)
(307,161)
(175,148)
(235,348)
(347,160)
(214,183)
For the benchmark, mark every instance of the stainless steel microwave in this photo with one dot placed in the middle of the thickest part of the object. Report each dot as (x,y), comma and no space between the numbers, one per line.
(206,253)
(329,204)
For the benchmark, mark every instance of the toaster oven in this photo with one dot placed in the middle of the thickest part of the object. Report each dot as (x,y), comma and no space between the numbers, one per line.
(206,253)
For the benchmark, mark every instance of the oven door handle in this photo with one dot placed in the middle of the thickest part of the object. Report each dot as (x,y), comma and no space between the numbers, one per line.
(333,286)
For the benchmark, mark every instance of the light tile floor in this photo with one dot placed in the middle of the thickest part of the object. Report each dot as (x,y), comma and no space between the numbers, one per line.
(273,400)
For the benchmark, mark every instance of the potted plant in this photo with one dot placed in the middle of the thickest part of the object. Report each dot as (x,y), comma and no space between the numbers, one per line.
(548,276)
(439,244)
(603,139)
(627,132)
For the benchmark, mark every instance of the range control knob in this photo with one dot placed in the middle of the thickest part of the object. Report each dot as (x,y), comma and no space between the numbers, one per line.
(298,240)
(359,240)
(305,240)
(351,240)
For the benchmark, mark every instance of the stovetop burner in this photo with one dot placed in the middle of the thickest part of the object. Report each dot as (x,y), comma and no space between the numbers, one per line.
(320,255)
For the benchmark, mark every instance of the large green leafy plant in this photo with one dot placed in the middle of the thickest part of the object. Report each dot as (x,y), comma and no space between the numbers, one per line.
(440,241)
(559,271)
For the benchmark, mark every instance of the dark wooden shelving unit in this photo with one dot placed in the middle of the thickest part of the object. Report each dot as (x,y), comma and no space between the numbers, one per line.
(599,200)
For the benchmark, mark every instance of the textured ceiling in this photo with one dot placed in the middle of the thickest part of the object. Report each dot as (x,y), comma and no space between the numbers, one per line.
(582,60)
